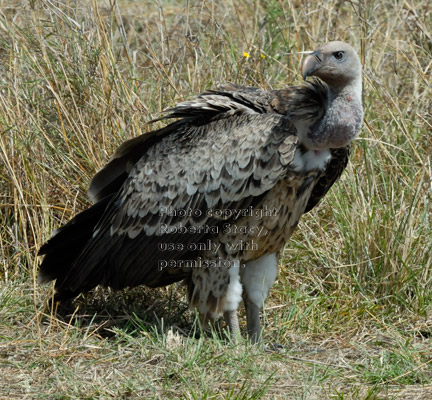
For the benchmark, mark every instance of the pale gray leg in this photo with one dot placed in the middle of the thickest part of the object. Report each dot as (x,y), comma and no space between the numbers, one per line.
(258,277)
(253,320)
(231,320)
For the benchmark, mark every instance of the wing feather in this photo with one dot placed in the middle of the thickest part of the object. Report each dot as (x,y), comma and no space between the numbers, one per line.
(331,174)
(129,241)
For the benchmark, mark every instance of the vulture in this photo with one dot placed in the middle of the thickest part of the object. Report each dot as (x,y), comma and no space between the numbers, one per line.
(211,198)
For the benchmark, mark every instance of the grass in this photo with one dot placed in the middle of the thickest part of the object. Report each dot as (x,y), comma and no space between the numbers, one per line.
(352,305)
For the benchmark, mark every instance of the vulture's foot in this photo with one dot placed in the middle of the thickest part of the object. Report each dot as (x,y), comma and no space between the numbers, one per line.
(231,320)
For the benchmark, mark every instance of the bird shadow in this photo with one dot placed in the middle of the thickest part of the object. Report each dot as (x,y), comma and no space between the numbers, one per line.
(134,312)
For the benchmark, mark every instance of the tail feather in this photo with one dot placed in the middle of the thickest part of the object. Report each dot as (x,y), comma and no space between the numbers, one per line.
(67,243)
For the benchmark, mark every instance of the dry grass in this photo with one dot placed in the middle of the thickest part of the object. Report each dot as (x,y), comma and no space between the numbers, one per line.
(353,303)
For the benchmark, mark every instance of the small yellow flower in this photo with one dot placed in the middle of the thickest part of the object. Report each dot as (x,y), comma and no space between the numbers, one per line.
(246,55)
(263,56)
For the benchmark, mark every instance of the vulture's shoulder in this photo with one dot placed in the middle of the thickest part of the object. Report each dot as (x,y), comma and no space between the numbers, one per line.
(308,101)
(200,119)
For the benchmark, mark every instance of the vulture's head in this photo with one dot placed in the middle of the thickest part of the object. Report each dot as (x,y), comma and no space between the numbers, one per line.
(336,63)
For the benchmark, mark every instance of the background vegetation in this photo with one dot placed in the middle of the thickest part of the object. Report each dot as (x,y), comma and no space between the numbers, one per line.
(352,306)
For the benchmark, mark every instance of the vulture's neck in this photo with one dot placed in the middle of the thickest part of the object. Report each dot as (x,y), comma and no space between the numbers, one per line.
(351,89)
(341,121)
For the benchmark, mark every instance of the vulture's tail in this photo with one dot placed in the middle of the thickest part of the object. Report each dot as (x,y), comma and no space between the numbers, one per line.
(66,245)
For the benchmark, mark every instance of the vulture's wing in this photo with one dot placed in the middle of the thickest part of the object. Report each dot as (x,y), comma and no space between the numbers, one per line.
(170,196)
(227,100)
(330,175)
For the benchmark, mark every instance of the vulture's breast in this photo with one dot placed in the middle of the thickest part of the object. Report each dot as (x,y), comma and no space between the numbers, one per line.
(266,228)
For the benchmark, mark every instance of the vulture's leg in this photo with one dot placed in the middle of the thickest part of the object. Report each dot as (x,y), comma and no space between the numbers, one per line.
(253,320)
(257,277)
(231,320)
(232,300)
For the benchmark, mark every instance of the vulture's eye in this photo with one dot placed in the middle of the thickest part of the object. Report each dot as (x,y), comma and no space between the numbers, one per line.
(339,55)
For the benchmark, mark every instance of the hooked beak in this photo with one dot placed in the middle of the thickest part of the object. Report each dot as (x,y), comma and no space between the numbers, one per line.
(311,64)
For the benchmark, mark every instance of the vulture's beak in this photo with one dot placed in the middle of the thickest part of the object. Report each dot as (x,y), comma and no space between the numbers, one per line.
(312,63)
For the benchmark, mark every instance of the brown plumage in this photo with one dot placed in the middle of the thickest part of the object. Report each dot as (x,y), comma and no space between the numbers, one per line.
(212,198)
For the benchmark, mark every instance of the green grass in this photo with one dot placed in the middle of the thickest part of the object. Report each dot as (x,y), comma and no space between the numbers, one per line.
(352,306)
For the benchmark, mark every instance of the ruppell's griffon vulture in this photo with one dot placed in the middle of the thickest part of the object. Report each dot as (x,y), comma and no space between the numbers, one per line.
(213,197)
